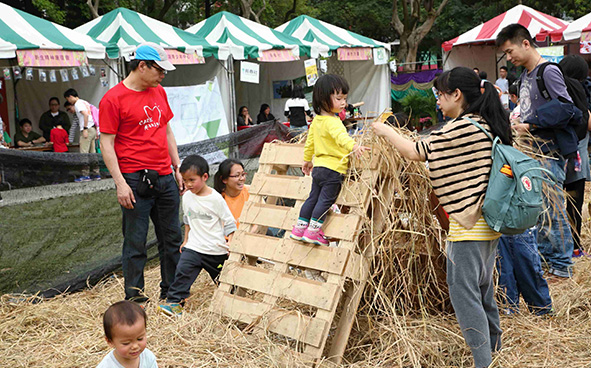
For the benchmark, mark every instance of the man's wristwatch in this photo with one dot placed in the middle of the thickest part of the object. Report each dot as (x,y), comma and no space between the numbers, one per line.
(85,128)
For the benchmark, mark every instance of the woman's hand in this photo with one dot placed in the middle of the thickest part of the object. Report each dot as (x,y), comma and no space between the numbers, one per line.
(381,129)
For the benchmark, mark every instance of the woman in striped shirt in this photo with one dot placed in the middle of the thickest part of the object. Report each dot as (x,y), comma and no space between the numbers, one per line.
(459,157)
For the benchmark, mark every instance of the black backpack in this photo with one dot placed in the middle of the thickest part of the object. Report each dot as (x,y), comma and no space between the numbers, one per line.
(575,90)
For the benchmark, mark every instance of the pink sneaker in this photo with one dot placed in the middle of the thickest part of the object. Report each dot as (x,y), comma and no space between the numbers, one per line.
(297,233)
(314,237)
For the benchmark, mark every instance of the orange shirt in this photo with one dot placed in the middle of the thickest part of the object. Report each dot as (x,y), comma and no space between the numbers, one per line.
(236,204)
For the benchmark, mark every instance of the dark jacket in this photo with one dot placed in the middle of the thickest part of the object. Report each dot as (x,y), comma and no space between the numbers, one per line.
(555,122)
(262,118)
(46,122)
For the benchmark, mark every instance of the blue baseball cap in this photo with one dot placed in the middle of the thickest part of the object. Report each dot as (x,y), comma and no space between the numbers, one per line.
(153,52)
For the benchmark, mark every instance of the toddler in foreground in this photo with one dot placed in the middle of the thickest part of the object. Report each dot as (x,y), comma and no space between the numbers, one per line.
(330,145)
(207,220)
(125,331)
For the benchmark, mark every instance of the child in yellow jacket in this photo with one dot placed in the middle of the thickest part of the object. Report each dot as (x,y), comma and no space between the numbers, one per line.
(330,145)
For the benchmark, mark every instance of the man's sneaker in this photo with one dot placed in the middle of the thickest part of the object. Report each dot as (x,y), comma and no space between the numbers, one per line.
(297,233)
(82,179)
(314,237)
(96,177)
(565,274)
(173,309)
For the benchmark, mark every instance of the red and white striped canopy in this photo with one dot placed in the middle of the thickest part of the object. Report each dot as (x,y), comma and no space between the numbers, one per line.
(570,32)
(532,19)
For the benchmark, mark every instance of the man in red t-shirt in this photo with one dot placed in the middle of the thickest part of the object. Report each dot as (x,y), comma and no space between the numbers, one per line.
(135,137)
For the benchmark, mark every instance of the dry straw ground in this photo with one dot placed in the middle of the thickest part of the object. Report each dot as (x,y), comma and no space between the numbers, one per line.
(398,324)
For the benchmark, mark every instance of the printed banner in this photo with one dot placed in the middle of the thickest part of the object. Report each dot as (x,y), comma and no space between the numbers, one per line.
(354,53)
(179,58)
(311,71)
(552,53)
(277,56)
(249,72)
(585,43)
(380,56)
(51,58)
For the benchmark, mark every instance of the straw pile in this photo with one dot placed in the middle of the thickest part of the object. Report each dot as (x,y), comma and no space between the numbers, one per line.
(403,320)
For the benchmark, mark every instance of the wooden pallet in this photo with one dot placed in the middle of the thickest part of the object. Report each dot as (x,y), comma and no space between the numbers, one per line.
(274,297)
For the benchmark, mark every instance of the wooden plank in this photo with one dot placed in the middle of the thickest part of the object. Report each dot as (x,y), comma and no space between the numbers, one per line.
(358,267)
(282,154)
(301,290)
(337,226)
(287,323)
(294,253)
(283,186)
(353,193)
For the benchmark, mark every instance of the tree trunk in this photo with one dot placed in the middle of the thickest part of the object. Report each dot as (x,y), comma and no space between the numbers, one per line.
(207,9)
(165,8)
(93,8)
(246,7)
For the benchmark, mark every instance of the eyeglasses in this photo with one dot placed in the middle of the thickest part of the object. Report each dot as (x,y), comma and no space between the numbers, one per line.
(241,175)
(155,66)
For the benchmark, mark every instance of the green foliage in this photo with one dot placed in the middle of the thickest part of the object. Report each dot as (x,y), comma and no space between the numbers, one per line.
(418,106)
(50,11)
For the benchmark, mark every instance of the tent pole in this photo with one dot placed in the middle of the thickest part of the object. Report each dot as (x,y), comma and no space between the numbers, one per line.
(446,57)
(232,89)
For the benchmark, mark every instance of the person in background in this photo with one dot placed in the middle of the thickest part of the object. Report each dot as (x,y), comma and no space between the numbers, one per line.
(515,115)
(49,118)
(229,182)
(555,239)
(244,118)
(483,75)
(296,110)
(576,67)
(75,127)
(27,137)
(125,324)
(503,84)
(265,114)
(59,137)
(5,139)
(88,134)
(476,70)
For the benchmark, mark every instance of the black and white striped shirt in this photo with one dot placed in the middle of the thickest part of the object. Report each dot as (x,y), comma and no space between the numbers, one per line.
(296,110)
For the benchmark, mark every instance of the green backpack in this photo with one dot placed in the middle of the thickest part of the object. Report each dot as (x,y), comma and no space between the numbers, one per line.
(514,198)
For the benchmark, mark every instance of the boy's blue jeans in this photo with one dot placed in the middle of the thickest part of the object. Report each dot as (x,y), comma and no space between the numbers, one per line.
(520,272)
(326,186)
(163,209)
(556,241)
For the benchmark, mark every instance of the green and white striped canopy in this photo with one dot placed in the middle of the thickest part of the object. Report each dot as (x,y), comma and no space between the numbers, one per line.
(247,39)
(125,29)
(23,31)
(318,32)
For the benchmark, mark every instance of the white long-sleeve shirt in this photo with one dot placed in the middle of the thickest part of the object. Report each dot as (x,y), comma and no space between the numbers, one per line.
(210,220)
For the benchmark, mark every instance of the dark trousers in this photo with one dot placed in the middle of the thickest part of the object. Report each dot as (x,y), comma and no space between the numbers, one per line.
(326,185)
(520,272)
(163,209)
(574,208)
(189,267)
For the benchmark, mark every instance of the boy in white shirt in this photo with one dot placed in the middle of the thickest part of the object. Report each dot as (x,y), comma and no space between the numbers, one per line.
(207,221)
(125,331)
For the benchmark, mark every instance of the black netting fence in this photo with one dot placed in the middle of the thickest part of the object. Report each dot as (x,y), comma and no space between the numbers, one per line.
(71,241)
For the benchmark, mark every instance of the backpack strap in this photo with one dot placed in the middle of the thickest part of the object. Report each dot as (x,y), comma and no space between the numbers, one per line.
(542,85)
(481,128)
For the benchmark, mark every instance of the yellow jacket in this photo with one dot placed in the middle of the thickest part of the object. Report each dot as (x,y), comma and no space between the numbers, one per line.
(329,143)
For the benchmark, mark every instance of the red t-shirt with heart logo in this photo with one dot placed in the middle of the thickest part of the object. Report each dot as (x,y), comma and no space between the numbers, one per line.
(139,121)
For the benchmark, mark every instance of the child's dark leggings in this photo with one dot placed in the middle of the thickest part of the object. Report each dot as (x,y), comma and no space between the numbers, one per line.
(326,186)
(574,208)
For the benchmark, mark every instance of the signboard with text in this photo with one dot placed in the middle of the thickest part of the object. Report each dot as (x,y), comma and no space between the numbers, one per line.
(354,53)
(585,43)
(179,58)
(50,58)
(277,55)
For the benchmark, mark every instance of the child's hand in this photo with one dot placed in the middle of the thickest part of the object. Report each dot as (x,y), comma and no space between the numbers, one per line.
(307,168)
(181,248)
(358,150)
(381,129)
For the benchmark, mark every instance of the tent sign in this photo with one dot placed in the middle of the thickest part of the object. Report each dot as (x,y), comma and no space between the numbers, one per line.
(311,71)
(277,55)
(354,53)
(51,58)
(249,72)
(552,54)
(178,58)
(586,43)
(380,56)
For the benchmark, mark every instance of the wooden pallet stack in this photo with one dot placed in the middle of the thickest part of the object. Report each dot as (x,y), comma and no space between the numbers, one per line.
(273,295)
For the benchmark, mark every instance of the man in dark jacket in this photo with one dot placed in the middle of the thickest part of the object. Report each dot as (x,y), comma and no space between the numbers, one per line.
(50,117)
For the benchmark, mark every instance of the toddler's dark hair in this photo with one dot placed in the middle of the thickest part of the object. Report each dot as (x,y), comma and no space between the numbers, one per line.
(123,312)
(326,86)
(195,163)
